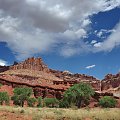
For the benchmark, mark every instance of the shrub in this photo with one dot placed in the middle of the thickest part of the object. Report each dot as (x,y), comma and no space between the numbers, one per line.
(64,104)
(1,85)
(16,100)
(4,97)
(31,102)
(51,102)
(22,111)
(39,101)
(107,101)
(20,95)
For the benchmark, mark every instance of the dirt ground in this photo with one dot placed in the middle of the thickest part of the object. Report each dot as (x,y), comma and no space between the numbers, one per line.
(5,115)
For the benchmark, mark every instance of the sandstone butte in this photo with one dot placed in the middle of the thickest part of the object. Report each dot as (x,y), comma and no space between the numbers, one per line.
(51,83)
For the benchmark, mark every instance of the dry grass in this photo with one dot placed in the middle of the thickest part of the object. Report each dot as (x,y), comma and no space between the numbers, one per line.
(65,114)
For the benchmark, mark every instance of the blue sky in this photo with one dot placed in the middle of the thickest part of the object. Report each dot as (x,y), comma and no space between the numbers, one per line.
(78,36)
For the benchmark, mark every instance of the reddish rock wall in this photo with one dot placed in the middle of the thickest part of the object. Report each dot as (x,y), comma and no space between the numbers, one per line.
(3,68)
(70,79)
(38,90)
(31,63)
(53,88)
(111,81)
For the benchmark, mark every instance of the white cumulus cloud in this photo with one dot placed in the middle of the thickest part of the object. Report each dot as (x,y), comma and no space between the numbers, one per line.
(38,26)
(102,32)
(111,42)
(3,63)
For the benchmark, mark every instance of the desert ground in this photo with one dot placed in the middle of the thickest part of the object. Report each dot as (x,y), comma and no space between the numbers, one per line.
(27,113)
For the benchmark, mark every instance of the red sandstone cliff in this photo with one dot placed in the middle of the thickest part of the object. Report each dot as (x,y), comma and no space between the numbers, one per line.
(70,79)
(3,68)
(31,64)
(111,81)
(52,83)
(111,84)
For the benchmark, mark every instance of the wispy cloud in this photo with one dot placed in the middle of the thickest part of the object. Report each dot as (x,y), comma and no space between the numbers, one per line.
(103,32)
(93,41)
(3,63)
(90,66)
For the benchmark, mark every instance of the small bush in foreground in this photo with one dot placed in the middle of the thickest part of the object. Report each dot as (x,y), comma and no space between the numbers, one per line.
(39,99)
(4,97)
(51,102)
(64,104)
(107,101)
(22,111)
(31,102)
(1,85)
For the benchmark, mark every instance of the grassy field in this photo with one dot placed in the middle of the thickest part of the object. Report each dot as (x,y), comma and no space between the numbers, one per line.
(18,113)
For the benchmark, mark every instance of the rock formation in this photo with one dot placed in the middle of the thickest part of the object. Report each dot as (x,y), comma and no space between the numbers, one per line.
(46,82)
(111,81)
(4,68)
(70,79)
(111,84)
(31,63)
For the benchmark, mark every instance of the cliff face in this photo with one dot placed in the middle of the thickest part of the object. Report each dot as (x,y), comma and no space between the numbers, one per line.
(70,79)
(4,68)
(111,84)
(31,64)
(111,81)
(35,74)
(51,83)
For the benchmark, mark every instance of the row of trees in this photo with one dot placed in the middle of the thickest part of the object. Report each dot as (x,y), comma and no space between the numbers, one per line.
(77,95)
(24,94)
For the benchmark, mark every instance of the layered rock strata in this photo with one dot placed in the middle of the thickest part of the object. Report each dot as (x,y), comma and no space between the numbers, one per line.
(46,82)
(31,64)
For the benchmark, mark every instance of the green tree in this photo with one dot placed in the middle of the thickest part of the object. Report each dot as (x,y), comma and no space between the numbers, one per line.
(78,94)
(51,102)
(64,104)
(107,101)
(20,95)
(31,102)
(1,85)
(4,97)
(39,99)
